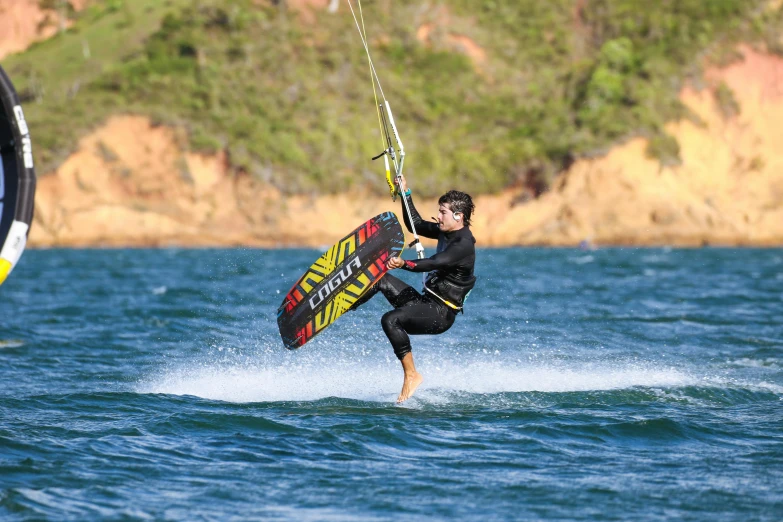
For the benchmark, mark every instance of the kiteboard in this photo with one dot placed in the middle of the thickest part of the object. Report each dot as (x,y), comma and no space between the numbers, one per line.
(338,279)
(17,178)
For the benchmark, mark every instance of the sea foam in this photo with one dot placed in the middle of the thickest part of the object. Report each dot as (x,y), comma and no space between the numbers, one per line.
(379,380)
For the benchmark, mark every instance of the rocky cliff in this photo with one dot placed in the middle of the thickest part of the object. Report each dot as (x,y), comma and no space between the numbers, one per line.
(134,184)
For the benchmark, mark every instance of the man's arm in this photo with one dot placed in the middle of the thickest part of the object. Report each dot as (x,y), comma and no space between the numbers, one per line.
(423,228)
(454,253)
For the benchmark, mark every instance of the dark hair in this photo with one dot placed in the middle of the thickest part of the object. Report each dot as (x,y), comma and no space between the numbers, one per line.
(460,203)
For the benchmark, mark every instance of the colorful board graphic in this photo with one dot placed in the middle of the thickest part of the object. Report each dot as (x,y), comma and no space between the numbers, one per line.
(338,278)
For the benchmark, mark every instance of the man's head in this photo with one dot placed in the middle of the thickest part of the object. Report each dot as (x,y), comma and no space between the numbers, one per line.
(455,210)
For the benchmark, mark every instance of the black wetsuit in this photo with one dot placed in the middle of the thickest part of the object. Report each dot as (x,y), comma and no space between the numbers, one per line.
(449,281)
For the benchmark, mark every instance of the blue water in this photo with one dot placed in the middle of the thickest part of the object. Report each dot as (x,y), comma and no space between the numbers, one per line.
(619,384)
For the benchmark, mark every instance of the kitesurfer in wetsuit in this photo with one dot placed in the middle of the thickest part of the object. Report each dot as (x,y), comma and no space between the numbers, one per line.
(449,281)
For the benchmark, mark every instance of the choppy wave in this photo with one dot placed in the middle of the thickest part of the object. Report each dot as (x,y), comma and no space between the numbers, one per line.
(621,384)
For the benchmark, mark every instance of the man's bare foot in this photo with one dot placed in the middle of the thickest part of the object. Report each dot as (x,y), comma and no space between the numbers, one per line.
(409,385)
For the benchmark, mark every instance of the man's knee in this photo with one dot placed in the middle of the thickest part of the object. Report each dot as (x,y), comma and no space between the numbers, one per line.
(396,334)
(390,321)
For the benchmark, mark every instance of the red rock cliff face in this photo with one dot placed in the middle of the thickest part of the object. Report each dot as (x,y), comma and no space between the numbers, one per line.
(23,22)
(728,190)
(133,184)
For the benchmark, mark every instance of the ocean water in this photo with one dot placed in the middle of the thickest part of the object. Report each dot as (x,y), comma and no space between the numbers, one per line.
(617,384)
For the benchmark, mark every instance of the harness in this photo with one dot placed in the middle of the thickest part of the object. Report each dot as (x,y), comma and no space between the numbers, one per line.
(447,303)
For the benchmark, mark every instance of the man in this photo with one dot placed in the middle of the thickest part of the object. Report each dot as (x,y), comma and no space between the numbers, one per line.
(448,283)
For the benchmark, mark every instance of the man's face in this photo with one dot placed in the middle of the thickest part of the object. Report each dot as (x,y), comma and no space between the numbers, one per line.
(446,221)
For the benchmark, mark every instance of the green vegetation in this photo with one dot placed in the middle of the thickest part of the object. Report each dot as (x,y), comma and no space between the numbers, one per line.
(291,102)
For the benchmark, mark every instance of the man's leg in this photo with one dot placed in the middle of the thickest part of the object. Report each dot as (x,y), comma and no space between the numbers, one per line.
(415,319)
(394,290)
(411,378)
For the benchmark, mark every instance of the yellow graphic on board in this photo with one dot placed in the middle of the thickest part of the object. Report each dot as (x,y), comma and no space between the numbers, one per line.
(341,302)
(5,269)
(326,264)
